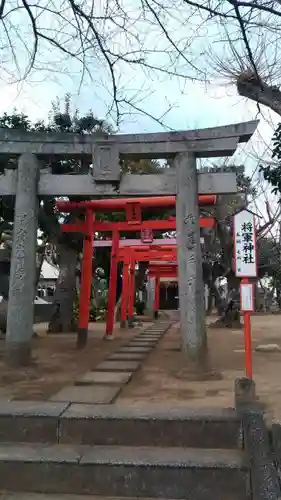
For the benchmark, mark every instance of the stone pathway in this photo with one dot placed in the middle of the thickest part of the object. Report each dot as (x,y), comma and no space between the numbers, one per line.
(103,384)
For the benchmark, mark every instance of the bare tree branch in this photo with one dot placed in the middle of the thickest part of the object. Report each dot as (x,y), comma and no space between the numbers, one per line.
(109,41)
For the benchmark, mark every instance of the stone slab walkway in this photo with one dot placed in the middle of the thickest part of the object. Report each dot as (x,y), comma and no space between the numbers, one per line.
(127,356)
(112,378)
(95,394)
(103,384)
(118,366)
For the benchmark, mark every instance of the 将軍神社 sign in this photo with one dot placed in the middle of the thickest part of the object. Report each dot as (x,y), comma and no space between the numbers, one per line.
(245,245)
(245,263)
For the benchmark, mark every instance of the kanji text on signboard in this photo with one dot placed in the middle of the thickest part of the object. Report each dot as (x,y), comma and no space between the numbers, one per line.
(245,245)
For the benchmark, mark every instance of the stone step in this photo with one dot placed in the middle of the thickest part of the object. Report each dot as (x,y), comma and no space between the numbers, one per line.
(176,473)
(53,422)
(53,496)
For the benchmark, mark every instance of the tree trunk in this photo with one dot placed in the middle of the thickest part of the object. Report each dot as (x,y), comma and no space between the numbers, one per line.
(3,315)
(63,318)
(4,283)
(278,297)
(117,310)
(230,318)
(259,91)
(214,292)
(4,287)
(210,302)
(40,260)
(258,298)
(140,276)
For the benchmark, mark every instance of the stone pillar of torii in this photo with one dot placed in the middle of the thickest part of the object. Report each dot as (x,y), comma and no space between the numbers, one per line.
(29,182)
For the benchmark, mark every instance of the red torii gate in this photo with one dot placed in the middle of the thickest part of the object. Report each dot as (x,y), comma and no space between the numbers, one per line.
(169,224)
(89,226)
(129,256)
(142,254)
(159,270)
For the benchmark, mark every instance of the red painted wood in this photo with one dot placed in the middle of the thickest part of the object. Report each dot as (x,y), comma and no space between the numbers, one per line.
(112,284)
(156,294)
(125,289)
(103,226)
(131,298)
(120,203)
(149,256)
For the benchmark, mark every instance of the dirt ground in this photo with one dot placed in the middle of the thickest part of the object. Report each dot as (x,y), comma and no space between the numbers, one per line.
(58,363)
(159,381)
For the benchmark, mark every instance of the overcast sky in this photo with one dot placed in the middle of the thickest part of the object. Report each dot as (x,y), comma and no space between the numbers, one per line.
(198,106)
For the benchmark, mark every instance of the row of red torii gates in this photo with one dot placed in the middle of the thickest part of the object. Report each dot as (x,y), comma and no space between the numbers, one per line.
(162,258)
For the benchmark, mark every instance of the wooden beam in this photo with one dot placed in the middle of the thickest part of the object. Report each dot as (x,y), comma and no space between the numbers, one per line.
(136,242)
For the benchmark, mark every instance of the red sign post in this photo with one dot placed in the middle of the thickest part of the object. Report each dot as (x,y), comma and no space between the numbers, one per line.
(245,260)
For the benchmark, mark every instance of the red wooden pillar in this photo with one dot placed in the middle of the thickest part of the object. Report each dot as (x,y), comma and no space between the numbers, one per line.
(131,300)
(156,297)
(86,281)
(112,285)
(124,297)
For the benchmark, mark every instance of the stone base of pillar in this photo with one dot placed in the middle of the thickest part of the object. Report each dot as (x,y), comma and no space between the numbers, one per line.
(196,365)
(123,324)
(82,337)
(196,373)
(156,314)
(108,337)
(131,322)
(18,353)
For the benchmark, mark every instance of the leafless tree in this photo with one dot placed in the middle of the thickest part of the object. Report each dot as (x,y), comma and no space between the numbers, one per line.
(105,42)
(246,50)
(110,41)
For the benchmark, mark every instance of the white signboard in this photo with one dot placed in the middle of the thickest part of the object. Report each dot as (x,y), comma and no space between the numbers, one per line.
(245,254)
(247,297)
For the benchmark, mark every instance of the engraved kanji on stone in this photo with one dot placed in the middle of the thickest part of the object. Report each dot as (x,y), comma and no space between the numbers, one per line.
(190,222)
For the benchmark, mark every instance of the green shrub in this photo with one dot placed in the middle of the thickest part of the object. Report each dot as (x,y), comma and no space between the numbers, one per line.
(96,313)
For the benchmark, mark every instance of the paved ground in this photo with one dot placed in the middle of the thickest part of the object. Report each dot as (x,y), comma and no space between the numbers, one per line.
(43,496)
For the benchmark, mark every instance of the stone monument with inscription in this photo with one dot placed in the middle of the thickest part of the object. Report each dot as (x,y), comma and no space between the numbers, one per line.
(29,182)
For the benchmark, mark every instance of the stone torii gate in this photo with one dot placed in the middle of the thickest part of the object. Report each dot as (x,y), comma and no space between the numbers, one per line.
(104,179)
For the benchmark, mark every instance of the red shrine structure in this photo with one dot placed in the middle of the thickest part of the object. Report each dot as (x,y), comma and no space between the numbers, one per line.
(161,259)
